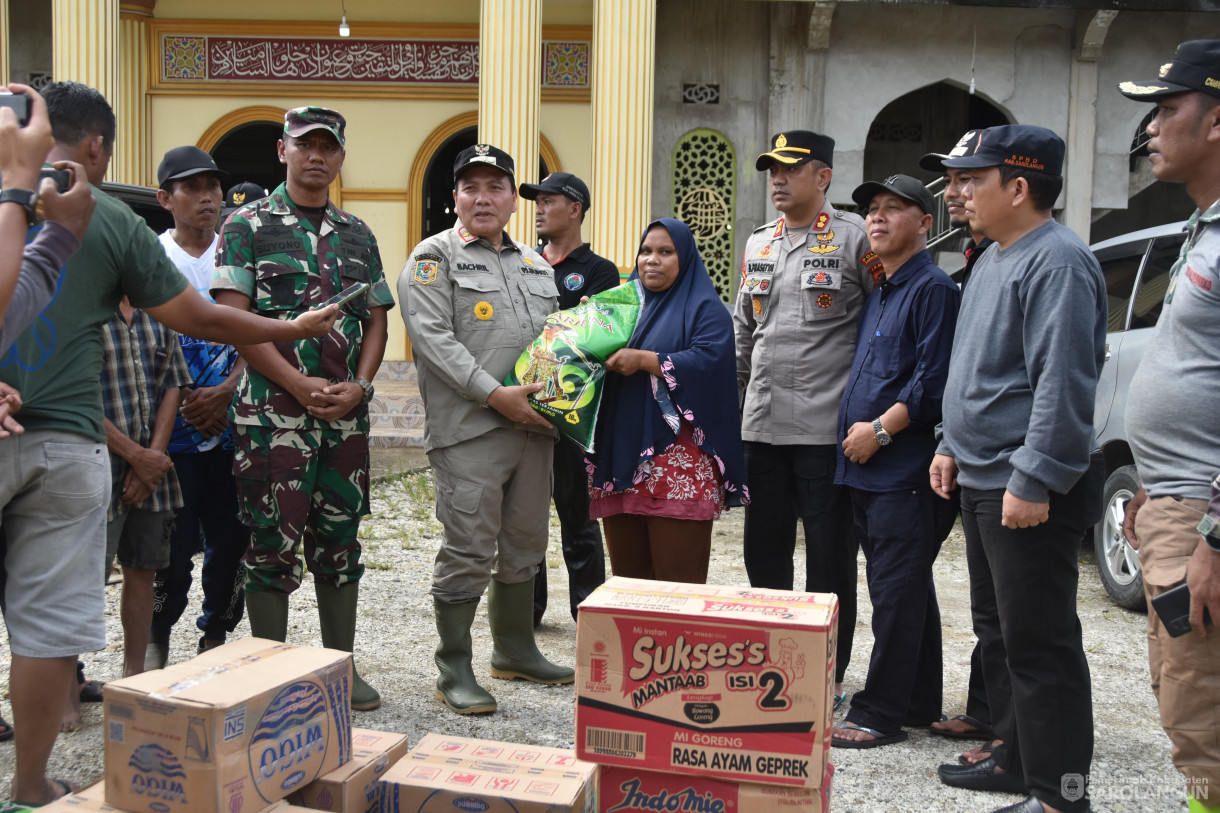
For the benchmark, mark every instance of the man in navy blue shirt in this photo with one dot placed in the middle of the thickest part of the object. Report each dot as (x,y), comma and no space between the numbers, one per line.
(887,418)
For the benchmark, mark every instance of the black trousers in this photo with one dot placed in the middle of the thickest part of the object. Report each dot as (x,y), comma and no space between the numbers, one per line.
(787,482)
(976,692)
(901,536)
(1023,600)
(580,536)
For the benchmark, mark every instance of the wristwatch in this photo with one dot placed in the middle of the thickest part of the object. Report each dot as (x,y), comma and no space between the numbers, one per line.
(27,198)
(367,386)
(882,437)
(1210,528)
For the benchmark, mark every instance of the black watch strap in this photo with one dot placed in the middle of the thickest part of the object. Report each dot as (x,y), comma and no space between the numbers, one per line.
(26,198)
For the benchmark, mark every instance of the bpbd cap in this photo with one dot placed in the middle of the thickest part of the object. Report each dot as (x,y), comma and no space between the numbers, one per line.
(183,162)
(483,155)
(559,183)
(966,145)
(1024,146)
(796,147)
(904,186)
(301,120)
(1195,66)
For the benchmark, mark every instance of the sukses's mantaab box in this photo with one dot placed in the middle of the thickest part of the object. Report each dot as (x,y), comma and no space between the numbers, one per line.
(235,729)
(728,682)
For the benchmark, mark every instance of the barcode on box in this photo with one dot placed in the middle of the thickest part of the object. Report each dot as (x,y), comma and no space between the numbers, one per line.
(117,731)
(611,743)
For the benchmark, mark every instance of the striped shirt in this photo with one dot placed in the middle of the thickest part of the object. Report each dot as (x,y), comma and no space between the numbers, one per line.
(140,362)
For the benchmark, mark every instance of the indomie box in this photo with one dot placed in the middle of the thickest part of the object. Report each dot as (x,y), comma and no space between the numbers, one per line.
(630,790)
(729,682)
(459,775)
(355,786)
(235,729)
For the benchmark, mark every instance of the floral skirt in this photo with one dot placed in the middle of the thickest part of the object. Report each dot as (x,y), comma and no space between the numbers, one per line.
(681,483)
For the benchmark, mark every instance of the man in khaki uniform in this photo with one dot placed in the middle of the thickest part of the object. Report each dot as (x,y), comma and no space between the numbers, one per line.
(473,299)
(804,279)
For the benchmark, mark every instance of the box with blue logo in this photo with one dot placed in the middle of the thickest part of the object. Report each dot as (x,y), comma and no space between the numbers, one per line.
(355,786)
(446,774)
(236,729)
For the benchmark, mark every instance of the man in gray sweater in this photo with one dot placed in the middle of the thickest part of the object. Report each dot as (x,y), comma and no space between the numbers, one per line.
(1017,435)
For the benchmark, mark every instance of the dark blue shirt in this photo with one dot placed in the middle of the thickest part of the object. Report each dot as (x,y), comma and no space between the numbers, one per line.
(903,341)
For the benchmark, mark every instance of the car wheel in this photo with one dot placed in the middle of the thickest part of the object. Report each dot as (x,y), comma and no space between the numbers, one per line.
(1118,563)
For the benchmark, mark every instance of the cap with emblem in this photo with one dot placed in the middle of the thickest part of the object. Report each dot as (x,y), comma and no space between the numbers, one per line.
(183,162)
(904,186)
(484,155)
(1024,146)
(796,147)
(241,194)
(559,183)
(966,145)
(301,120)
(1195,66)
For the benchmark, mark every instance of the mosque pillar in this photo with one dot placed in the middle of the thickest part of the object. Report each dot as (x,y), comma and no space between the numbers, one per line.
(132,162)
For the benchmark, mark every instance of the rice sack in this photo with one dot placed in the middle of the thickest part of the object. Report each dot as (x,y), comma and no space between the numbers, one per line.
(569,359)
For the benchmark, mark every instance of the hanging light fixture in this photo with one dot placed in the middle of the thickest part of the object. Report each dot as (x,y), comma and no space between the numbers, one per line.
(344,30)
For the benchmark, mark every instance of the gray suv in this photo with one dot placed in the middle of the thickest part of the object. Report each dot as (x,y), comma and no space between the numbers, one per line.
(1136,268)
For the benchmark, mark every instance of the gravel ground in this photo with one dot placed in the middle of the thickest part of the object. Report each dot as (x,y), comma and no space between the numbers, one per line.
(1132,770)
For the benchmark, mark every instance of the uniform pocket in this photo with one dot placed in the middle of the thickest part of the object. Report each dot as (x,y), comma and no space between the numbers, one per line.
(822,295)
(279,288)
(478,303)
(76,478)
(541,297)
(884,356)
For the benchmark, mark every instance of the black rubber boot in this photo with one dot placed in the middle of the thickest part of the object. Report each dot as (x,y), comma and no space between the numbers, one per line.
(456,686)
(337,619)
(510,611)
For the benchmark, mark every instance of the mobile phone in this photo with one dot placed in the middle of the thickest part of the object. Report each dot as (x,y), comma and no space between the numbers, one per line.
(1173,606)
(346,294)
(20,104)
(62,177)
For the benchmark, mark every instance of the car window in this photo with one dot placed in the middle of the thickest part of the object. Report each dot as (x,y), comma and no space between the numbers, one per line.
(1155,280)
(1120,267)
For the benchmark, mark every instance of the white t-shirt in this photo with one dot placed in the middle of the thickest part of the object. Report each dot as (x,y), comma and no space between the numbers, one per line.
(198,270)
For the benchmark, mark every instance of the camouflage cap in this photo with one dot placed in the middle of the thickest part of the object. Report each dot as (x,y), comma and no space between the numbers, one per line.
(301,120)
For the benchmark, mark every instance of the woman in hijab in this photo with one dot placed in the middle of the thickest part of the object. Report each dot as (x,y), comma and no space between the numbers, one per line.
(668,455)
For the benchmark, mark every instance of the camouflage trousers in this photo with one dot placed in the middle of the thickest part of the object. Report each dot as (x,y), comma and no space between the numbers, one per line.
(300,485)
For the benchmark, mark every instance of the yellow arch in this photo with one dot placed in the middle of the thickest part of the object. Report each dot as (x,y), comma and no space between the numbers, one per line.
(262,113)
(423,157)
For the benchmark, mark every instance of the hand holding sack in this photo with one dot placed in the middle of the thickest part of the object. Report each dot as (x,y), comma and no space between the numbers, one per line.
(569,359)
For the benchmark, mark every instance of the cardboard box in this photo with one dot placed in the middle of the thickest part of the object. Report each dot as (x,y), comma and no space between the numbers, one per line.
(480,776)
(284,806)
(355,787)
(235,729)
(92,799)
(729,682)
(630,790)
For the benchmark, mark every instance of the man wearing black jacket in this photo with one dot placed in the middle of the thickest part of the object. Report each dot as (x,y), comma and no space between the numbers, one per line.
(562,201)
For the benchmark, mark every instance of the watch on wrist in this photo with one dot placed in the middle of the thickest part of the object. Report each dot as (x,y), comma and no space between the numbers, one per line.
(882,437)
(27,199)
(367,386)
(1209,527)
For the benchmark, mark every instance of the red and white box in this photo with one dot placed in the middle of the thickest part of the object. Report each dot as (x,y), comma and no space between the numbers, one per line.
(729,682)
(630,790)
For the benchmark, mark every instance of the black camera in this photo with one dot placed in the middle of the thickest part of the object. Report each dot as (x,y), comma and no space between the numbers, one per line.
(20,104)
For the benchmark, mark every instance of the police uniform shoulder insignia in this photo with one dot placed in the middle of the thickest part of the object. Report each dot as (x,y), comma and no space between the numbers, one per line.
(779,228)
(868,258)
(574,281)
(465,234)
(483,311)
(821,223)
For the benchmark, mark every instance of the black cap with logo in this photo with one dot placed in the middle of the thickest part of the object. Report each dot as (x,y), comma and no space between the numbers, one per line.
(559,183)
(1024,146)
(239,195)
(934,161)
(1195,66)
(484,155)
(904,186)
(183,162)
(796,147)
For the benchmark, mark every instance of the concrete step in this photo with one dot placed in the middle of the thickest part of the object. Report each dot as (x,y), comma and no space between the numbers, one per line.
(396,413)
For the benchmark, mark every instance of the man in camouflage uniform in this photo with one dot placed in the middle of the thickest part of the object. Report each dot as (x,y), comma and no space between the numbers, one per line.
(301,416)
(804,279)
(473,299)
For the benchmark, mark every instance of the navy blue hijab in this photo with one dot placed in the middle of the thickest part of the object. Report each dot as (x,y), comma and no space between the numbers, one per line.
(690,330)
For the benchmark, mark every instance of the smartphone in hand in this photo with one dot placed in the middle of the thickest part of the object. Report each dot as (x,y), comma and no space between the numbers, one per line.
(348,293)
(1173,607)
(19,103)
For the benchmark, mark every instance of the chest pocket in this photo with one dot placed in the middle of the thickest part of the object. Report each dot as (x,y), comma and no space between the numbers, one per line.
(822,294)
(884,357)
(282,279)
(541,299)
(354,257)
(480,308)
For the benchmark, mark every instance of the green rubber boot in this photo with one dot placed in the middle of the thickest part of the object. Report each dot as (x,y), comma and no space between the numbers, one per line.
(268,614)
(456,686)
(510,611)
(337,619)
